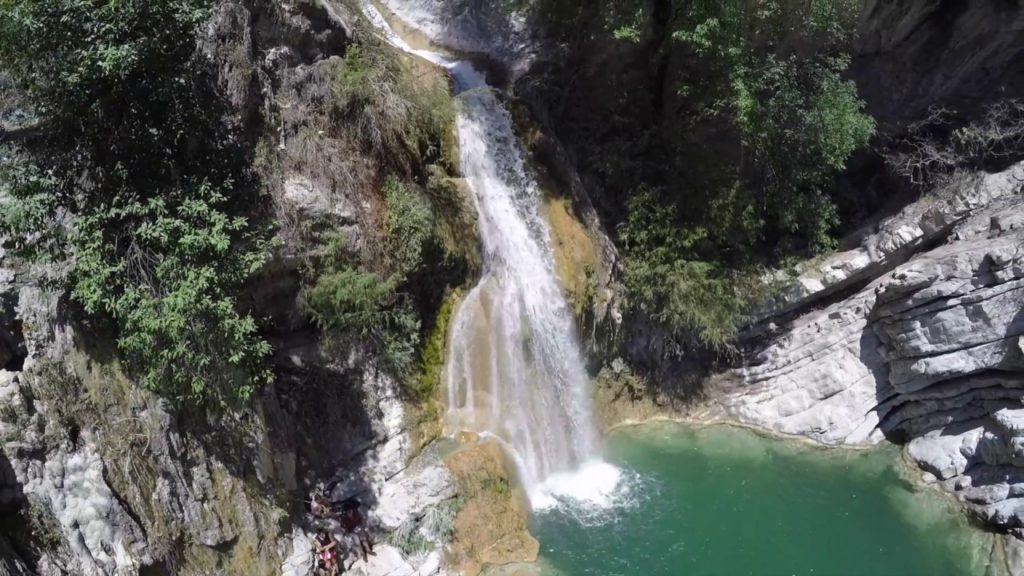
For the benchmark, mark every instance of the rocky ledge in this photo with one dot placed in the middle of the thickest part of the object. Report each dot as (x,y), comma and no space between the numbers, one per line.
(915,337)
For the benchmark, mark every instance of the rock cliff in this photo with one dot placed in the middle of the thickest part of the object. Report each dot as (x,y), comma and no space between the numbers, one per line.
(914,336)
(915,54)
(98,476)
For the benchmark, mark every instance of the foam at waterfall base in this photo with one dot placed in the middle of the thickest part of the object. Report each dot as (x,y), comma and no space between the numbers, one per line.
(589,493)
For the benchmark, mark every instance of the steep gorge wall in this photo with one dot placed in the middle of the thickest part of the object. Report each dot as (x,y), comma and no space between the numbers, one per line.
(912,333)
(110,479)
(890,358)
(928,351)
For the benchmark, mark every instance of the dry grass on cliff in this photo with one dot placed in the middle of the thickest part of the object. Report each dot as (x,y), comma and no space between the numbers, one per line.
(397,108)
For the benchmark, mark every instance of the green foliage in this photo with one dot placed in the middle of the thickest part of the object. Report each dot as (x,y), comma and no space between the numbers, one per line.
(687,297)
(398,296)
(772,72)
(740,124)
(347,300)
(140,185)
(351,301)
(81,55)
(628,33)
(27,206)
(799,124)
(456,222)
(409,227)
(497,485)
(432,357)
(179,325)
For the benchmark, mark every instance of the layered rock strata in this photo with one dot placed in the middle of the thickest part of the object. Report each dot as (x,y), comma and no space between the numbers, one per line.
(929,352)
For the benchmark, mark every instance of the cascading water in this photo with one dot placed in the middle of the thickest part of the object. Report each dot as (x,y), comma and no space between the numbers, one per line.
(515,371)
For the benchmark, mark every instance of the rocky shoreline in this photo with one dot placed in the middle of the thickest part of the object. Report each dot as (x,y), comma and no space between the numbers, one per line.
(912,337)
(927,354)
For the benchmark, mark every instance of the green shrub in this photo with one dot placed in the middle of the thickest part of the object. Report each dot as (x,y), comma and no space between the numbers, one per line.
(139,184)
(409,226)
(697,302)
(398,296)
(172,289)
(27,207)
(347,299)
(350,301)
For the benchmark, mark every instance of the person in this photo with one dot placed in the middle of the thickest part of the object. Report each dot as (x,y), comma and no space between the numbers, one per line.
(326,554)
(354,525)
(319,507)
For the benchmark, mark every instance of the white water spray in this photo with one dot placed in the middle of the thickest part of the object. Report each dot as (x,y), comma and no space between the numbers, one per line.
(515,371)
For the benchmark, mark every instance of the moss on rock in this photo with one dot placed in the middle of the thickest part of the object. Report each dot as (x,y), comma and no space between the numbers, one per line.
(577,259)
(491,526)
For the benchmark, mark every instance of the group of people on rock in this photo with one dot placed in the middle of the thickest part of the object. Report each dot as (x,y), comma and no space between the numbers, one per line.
(341,527)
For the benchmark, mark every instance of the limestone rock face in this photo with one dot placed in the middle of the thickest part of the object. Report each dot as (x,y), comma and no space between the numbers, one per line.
(113,481)
(927,352)
(99,531)
(104,478)
(980,207)
(412,492)
(405,507)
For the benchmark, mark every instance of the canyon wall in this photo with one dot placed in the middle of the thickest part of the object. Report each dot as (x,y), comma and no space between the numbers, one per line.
(102,477)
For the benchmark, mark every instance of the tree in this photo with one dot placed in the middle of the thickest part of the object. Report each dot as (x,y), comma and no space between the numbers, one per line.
(722,148)
(698,302)
(776,78)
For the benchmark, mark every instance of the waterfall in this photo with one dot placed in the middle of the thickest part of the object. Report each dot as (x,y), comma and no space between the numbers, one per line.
(515,371)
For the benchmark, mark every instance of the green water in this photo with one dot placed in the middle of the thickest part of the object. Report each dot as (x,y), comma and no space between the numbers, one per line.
(724,501)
